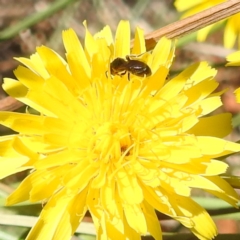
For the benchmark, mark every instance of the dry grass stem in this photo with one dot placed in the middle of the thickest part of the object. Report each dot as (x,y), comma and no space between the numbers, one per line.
(192,24)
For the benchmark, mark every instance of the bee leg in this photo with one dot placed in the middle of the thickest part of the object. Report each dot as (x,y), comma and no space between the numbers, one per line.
(128,76)
(122,73)
(107,76)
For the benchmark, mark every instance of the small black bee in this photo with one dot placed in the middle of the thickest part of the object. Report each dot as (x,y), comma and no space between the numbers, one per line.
(120,66)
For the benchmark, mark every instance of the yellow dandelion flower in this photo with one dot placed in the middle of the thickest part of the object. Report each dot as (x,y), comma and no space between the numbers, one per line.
(234,60)
(120,144)
(232,28)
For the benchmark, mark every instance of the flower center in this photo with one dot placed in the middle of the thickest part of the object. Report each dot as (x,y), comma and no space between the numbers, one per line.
(111,141)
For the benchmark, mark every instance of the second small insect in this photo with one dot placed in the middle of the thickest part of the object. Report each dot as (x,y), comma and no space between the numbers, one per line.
(120,66)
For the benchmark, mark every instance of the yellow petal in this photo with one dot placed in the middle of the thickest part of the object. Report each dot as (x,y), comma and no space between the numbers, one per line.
(139,42)
(160,54)
(152,221)
(216,147)
(90,45)
(122,40)
(202,224)
(207,126)
(76,57)
(233,59)
(106,34)
(36,64)
(231,31)
(135,218)
(129,189)
(227,193)
(56,224)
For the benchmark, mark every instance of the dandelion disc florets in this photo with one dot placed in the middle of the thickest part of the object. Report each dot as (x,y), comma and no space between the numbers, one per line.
(120,143)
